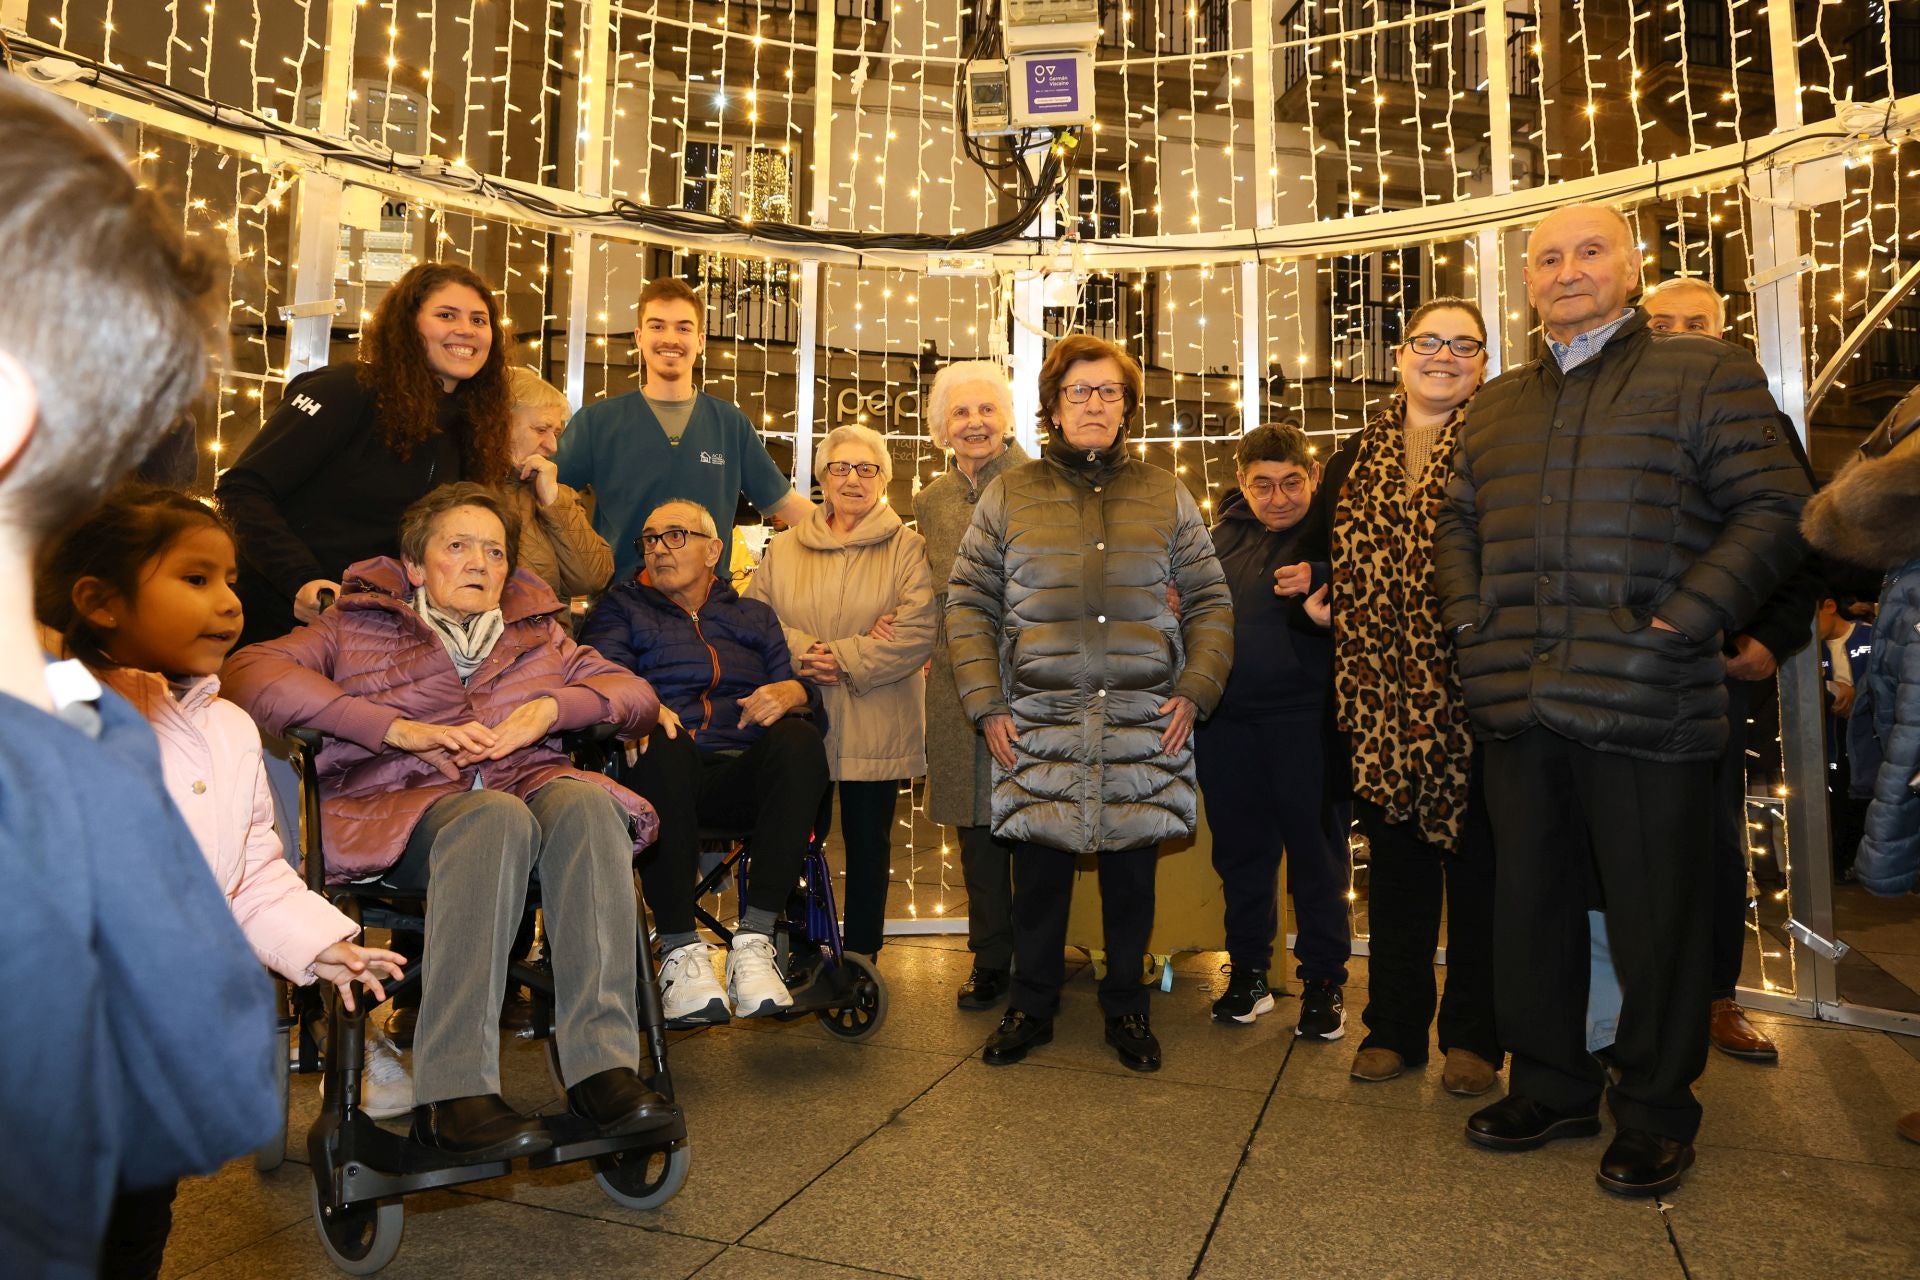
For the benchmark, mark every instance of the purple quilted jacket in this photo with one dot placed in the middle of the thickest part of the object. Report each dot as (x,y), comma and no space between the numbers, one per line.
(372,659)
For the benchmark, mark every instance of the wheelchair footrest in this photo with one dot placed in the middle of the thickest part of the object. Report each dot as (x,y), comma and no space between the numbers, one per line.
(575,1139)
(374,1164)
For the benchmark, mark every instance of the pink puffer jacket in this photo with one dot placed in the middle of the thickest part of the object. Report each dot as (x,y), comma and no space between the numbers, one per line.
(372,659)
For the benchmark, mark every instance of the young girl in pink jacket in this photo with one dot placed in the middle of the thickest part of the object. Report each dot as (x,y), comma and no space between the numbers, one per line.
(142,592)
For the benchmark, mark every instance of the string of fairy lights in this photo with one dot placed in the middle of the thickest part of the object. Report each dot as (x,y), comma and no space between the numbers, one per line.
(1377,108)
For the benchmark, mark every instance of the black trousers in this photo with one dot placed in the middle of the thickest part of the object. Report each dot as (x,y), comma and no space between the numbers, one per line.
(135,1243)
(776,785)
(1264,784)
(1727,895)
(867,812)
(1407,878)
(1566,816)
(1042,897)
(986,861)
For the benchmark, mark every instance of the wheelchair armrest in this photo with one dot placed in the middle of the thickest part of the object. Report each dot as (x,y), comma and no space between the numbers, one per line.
(308,738)
(591,748)
(313,857)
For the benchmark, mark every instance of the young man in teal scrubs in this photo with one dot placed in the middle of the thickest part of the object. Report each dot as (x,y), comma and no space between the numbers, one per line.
(667,440)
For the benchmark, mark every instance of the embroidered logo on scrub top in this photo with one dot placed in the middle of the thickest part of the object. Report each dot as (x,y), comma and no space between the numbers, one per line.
(715,458)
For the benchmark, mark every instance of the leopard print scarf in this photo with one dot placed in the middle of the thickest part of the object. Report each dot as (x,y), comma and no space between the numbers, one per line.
(1396,691)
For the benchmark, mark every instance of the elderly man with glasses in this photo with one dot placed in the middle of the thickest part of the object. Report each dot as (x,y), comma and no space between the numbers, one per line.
(739,740)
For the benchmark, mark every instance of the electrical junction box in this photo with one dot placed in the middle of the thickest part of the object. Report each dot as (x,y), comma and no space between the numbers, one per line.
(1059,23)
(989,99)
(1052,87)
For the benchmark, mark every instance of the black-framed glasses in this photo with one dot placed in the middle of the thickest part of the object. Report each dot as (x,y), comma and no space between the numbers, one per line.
(865,470)
(1428,344)
(674,538)
(1081,392)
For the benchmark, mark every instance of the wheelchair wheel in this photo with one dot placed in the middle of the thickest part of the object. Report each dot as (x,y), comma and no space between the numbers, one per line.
(866,1007)
(362,1238)
(273,1153)
(644,1179)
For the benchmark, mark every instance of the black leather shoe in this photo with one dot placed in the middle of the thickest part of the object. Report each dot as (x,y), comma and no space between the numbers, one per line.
(618,1102)
(1520,1124)
(1639,1163)
(984,988)
(1017,1033)
(1133,1040)
(481,1127)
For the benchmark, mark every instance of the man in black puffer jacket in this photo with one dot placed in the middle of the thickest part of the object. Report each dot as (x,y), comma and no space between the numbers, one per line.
(1619,506)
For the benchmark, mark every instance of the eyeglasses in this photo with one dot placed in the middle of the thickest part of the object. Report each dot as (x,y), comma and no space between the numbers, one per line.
(865,470)
(674,538)
(1292,486)
(1428,344)
(1081,392)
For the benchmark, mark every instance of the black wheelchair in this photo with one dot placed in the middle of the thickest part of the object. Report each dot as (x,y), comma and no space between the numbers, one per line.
(362,1172)
(843,990)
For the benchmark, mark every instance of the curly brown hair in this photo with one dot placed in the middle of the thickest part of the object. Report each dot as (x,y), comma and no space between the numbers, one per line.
(1076,349)
(393,365)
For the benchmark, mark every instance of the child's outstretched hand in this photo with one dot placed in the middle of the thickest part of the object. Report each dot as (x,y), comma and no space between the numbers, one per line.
(345,963)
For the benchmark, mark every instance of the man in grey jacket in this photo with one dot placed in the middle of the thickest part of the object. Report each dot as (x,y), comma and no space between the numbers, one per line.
(1618,507)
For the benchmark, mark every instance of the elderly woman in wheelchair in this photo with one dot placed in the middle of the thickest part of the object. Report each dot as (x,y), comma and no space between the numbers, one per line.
(443,682)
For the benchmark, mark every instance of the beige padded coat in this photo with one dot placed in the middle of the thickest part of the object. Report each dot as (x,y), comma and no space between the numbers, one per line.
(828,589)
(1057,614)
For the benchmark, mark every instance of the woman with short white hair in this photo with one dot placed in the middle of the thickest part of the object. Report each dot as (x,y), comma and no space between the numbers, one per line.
(969,414)
(557,541)
(853,592)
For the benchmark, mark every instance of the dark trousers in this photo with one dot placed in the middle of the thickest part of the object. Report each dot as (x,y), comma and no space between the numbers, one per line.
(1566,816)
(137,1229)
(867,811)
(1727,894)
(1407,878)
(986,861)
(1264,784)
(773,788)
(1042,897)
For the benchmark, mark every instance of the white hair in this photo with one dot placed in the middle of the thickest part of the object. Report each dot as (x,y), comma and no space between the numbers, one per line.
(531,391)
(1676,283)
(702,516)
(853,433)
(964,373)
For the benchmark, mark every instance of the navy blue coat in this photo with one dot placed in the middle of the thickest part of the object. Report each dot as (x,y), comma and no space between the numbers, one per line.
(701,664)
(136,1036)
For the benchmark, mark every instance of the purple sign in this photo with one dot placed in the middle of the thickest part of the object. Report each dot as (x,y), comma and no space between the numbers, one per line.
(1053,84)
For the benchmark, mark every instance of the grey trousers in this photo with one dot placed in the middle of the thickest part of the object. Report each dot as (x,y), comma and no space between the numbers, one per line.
(474,852)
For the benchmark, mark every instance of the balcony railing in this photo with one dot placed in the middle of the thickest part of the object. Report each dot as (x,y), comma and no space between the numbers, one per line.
(1875,48)
(747,299)
(1364,336)
(1893,352)
(1120,308)
(1404,55)
(1145,27)
(1693,31)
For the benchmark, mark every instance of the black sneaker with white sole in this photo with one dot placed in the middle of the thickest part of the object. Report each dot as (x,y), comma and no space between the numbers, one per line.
(1247,996)
(1323,1014)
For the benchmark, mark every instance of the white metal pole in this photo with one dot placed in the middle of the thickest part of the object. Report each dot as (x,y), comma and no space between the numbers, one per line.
(1265,173)
(1779,342)
(1491,264)
(593,102)
(316,242)
(807,300)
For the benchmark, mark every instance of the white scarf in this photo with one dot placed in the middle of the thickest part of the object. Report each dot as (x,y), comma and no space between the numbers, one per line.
(468,643)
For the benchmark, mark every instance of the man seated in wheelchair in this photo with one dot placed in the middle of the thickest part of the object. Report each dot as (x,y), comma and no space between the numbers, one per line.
(444,680)
(739,744)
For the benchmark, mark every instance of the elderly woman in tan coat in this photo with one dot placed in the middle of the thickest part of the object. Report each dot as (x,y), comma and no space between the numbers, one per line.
(851,587)
(557,541)
(970,414)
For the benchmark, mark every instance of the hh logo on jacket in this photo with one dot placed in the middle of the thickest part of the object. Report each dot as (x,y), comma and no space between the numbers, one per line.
(713,457)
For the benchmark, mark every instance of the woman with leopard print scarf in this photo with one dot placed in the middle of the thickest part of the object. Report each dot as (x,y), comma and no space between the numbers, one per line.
(1397,695)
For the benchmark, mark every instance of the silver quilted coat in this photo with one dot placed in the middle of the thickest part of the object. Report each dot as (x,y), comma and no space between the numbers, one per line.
(1057,613)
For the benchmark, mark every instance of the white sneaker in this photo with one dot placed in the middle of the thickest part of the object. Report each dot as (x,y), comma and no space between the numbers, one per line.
(386,1090)
(688,988)
(754,984)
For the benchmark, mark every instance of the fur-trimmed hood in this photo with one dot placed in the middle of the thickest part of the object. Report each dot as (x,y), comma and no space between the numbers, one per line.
(1870,514)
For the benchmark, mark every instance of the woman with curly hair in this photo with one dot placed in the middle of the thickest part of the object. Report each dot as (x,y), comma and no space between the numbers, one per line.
(353,446)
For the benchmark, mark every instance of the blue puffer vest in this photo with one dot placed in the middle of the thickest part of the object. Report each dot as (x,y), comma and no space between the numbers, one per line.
(700,664)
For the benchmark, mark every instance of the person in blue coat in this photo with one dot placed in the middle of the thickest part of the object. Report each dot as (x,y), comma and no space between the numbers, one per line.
(740,741)
(1870,515)
(137,1033)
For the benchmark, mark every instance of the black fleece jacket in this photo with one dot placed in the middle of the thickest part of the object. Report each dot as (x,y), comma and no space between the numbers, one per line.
(1283,663)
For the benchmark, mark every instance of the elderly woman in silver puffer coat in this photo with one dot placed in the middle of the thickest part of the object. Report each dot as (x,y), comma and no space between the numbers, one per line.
(1085,683)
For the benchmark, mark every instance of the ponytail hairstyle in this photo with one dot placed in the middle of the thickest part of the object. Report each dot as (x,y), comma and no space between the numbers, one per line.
(133,526)
(393,365)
